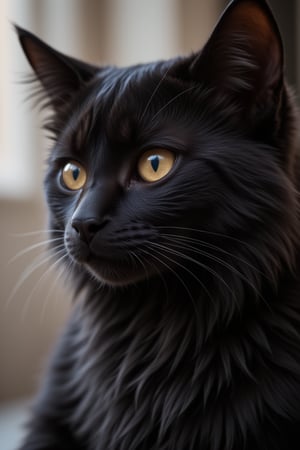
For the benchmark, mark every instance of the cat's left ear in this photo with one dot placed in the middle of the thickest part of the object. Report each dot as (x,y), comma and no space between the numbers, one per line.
(61,76)
(243,59)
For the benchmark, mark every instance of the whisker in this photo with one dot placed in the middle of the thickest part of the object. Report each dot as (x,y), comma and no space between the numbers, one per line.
(138,259)
(169,268)
(211,233)
(38,283)
(177,275)
(55,281)
(269,276)
(60,274)
(32,247)
(36,232)
(223,263)
(154,92)
(173,99)
(181,238)
(37,262)
(198,263)
(157,271)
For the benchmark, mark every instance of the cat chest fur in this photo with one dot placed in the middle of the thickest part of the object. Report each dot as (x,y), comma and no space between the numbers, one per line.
(150,379)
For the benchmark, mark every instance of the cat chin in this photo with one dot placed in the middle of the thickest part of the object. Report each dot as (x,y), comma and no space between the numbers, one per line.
(113,274)
(109,272)
(114,282)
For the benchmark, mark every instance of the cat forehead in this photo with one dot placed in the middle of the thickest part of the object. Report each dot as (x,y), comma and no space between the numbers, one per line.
(124,91)
(119,100)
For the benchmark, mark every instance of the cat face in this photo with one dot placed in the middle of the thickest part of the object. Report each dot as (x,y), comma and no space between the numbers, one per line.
(122,172)
(174,167)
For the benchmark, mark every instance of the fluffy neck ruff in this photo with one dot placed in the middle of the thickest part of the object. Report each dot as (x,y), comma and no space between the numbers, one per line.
(151,365)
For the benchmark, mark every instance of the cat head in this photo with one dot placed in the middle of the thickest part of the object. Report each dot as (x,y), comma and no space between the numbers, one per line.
(177,168)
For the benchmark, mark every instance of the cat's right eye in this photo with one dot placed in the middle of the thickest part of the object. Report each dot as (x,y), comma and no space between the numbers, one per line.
(73,176)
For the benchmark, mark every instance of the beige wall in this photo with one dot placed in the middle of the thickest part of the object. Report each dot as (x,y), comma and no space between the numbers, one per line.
(28,320)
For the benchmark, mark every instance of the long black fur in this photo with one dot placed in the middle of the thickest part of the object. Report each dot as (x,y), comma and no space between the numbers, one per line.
(186,331)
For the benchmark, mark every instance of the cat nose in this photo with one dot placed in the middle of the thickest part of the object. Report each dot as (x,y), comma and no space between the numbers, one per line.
(88,228)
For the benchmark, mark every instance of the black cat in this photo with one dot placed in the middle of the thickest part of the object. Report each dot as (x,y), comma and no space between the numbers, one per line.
(173,189)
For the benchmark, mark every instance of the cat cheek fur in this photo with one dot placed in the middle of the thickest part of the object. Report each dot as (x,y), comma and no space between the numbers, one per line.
(185,332)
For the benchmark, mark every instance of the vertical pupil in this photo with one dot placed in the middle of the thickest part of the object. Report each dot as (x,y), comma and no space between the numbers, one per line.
(154,162)
(76,173)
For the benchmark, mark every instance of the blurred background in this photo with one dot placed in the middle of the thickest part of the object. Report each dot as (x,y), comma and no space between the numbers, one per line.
(33,303)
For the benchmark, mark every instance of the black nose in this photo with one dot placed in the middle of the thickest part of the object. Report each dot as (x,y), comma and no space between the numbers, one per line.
(88,228)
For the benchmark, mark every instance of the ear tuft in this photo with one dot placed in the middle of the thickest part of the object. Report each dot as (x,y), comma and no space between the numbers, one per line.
(60,75)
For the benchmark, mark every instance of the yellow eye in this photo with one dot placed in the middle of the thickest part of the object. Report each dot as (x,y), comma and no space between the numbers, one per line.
(155,164)
(74,176)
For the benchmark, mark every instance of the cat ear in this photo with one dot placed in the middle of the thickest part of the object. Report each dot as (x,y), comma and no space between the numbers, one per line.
(243,59)
(60,75)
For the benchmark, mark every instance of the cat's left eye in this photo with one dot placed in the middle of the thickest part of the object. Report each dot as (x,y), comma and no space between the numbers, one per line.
(155,164)
(73,176)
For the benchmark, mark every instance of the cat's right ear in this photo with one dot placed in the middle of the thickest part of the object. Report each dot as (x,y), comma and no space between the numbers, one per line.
(60,75)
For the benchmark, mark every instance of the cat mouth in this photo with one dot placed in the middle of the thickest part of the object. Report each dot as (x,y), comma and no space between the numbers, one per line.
(116,260)
(114,270)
